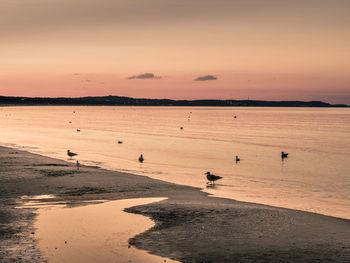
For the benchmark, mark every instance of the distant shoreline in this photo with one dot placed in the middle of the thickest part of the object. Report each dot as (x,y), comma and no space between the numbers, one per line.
(127,101)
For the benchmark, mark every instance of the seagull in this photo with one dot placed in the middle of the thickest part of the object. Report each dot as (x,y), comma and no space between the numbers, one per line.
(70,154)
(120,142)
(237,159)
(212,178)
(284,155)
(141,158)
(78,130)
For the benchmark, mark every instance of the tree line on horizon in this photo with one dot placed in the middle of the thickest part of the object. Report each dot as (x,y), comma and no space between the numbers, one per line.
(127,101)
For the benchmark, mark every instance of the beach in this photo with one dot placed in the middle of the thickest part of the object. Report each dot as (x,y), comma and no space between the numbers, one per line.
(313,178)
(191,226)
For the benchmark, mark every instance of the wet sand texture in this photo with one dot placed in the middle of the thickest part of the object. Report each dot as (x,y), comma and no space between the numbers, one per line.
(190,225)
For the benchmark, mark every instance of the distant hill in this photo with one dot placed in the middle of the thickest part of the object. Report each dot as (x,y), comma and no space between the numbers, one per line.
(126,101)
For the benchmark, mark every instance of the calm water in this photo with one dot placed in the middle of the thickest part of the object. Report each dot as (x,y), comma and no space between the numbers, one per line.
(315,177)
(98,232)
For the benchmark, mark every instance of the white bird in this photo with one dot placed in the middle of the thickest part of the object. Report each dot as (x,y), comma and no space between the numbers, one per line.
(212,178)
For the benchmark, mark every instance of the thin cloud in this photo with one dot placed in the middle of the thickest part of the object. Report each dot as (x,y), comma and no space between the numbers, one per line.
(205,78)
(145,76)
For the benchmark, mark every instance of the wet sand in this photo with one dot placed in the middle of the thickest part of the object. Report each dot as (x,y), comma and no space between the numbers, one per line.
(190,225)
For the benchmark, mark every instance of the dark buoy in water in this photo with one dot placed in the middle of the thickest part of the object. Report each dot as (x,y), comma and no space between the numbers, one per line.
(235,117)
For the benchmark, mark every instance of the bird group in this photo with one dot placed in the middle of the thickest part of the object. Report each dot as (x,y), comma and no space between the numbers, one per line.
(212,178)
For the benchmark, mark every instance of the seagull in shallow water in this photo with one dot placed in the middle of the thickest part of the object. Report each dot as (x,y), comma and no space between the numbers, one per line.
(284,155)
(212,178)
(237,159)
(141,158)
(71,154)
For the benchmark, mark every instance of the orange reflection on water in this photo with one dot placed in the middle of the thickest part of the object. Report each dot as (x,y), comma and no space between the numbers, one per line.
(93,233)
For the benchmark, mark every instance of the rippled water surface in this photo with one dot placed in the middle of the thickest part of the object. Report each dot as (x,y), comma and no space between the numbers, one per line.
(315,177)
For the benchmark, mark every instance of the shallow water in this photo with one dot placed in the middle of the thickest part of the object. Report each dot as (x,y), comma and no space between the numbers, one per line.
(94,232)
(315,176)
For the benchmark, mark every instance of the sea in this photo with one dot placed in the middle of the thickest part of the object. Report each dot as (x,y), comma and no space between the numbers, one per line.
(180,144)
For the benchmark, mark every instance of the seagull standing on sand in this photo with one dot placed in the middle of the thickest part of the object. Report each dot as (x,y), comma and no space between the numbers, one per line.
(70,154)
(237,159)
(212,178)
(141,158)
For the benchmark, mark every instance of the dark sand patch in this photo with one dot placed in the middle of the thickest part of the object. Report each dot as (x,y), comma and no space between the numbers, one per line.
(190,226)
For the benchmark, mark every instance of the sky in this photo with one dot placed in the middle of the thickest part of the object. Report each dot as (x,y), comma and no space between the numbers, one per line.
(177,49)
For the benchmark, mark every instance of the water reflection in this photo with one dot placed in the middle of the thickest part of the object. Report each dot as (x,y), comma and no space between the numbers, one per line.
(98,232)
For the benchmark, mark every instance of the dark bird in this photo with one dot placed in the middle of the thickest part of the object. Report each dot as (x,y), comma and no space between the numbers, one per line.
(235,117)
(120,142)
(212,178)
(70,154)
(284,155)
(141,158)
(78,130)
(181,128)
(237,159)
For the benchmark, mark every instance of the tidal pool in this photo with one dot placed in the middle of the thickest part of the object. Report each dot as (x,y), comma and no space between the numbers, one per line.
(93,232)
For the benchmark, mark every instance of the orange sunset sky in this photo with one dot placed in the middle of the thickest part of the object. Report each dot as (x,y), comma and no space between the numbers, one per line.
(192,49)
